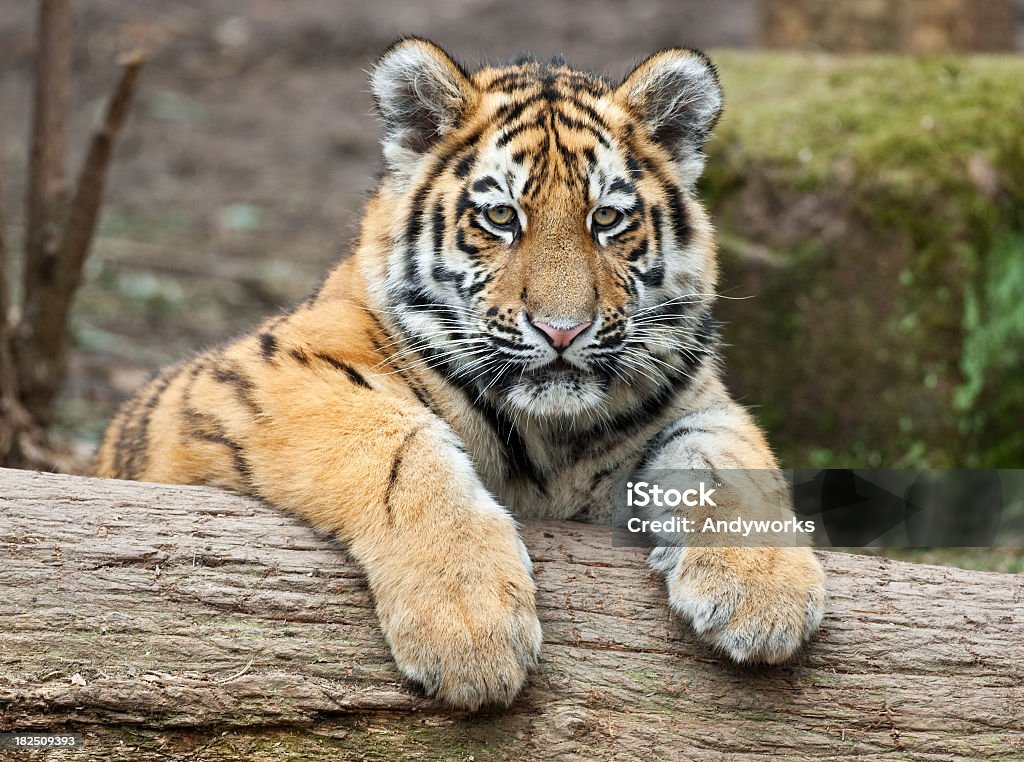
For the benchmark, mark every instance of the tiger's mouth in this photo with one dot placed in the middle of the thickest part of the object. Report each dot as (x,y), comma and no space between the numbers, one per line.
(556,370)
(554,390)
(554,374)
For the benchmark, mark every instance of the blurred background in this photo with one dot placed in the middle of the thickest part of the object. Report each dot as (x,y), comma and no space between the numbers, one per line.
(867,181)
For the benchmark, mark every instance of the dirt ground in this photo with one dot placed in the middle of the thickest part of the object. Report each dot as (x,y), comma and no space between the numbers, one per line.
(241,173)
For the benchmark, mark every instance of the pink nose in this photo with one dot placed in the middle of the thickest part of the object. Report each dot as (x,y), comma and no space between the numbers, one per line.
(560,338)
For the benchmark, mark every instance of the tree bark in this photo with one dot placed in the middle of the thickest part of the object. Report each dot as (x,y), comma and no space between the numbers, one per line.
(171,622)
(53,269)
(19,437)
(47,186)
(46,192)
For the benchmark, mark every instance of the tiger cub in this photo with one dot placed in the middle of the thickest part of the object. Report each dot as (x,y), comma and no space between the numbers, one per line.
(526,319)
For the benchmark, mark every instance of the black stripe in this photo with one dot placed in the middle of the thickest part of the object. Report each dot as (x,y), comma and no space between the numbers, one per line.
(510,111)
(420,302)
(664,439)
(132,453)
(592,85)
(354,376)
(465,165)
(513,79)
(539,168)
(510,441)
(502,342)
(677,214)
(396,465)
(633,159)
(207,428)
(417,389)
(414,225)
(576,124)
(589,111)
(568,157)
(464,204)
(437,221)
(509,133)
(465,246)
(479,285)
(680,223)
(633,225)
(653,276)
(621,186)
(648,409)
(485,184)
(268,346)
(127,416)
(639,252)
(242,384)
(706,337)
(656,225)
(444,274)
(548,90)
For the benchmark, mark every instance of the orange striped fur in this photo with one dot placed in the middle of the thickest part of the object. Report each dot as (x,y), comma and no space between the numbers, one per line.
(526,318)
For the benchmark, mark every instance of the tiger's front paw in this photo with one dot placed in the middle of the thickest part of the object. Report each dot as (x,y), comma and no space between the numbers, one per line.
(466,633)
(757,605)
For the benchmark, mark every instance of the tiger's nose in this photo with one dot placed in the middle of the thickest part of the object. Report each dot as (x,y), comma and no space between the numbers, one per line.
(560,338)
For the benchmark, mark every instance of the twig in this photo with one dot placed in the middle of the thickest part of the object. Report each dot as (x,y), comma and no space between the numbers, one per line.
(85,205)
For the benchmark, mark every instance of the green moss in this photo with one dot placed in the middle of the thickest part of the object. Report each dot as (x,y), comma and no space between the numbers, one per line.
(888,115)
(992,395)
(889,318)
(345,738)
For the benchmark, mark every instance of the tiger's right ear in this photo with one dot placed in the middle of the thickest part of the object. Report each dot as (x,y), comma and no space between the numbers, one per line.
(677,96)
(421,94)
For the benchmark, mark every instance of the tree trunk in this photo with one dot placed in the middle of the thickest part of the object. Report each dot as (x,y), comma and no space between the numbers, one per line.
(168,621)
(19,436)
(45,197)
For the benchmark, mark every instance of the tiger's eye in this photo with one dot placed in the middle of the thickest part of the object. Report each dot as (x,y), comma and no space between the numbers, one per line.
(501,215)
(606,216)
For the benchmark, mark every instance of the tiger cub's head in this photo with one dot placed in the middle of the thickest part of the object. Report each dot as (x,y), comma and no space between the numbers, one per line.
(543,243)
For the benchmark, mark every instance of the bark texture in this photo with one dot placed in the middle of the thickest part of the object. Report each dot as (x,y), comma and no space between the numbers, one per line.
(183,622)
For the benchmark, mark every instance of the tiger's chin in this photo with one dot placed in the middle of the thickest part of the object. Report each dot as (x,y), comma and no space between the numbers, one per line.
(558,396)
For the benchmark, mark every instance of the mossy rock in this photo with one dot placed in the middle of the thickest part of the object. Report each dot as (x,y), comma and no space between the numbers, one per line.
(873,207)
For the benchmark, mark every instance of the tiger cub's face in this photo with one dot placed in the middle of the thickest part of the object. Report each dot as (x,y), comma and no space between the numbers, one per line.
(545,248)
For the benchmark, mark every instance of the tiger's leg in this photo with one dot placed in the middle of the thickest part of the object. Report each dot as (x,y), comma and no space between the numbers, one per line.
(359,456)
(756,604)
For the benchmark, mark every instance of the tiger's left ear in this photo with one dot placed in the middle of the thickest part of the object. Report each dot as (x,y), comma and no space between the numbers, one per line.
(676,94)
(421,94)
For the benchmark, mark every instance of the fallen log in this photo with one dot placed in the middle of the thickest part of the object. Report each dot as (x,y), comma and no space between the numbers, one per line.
(167,621)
